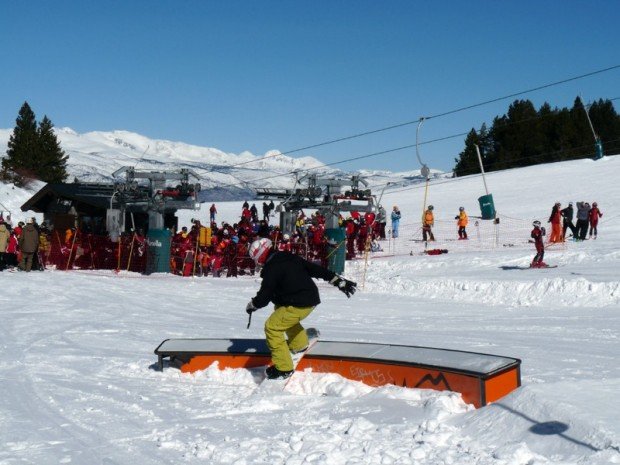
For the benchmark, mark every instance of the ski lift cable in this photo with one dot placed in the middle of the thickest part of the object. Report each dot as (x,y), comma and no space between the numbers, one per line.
(227,167)
(384,152)
(438,115)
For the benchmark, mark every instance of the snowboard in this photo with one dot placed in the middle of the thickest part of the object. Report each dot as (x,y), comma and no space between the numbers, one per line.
(268,386)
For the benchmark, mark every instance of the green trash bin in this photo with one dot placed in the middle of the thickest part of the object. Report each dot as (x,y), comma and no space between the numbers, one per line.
(158,251)
(598,149)
(487,208)
(336,249)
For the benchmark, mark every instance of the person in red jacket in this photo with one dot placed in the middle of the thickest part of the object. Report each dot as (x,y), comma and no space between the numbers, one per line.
(537,234)
(593,216)
(556,223)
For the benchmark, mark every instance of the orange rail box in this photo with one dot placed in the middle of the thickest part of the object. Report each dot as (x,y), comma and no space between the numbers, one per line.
(480,378)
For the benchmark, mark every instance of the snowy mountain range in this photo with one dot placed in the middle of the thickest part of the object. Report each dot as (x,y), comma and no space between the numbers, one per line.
(94,156)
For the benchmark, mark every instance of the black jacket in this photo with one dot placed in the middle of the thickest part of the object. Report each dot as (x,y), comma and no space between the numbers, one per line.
(287,280)
(567,213)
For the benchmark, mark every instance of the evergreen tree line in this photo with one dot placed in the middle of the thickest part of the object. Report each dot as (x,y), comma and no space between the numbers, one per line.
(33,151)
(525,136)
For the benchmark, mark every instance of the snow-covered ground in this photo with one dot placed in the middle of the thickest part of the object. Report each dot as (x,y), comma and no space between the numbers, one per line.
(79,384)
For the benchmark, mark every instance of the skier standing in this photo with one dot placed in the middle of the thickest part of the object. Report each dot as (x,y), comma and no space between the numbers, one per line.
(4,243)
(254,212)
(567,215)
(462,223)
(266,212)
(594,215)
(395,221)
(537,234)
(428,220)
(583,216)
(555,218)
(212,212)
(381,220)
(287,282)
(28,244)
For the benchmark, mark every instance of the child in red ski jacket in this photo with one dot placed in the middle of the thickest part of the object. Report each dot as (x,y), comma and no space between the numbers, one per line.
(537,234)
(593,216)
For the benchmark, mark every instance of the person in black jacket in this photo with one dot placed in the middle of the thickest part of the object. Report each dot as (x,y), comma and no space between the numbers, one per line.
(567,215)
(287,282)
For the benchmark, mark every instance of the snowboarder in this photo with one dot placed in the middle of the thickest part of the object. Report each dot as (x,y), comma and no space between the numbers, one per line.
(395,221)
(428,220)
(287,282)
(594,215)
(537,234)
(462,223)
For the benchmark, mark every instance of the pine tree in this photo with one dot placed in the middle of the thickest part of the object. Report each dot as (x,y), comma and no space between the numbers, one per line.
(467,163)
(53,162)
(33,153)
(21,155)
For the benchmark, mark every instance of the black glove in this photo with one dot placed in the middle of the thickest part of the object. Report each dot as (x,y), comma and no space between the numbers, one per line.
(544,231)
(249,308)
(344,285)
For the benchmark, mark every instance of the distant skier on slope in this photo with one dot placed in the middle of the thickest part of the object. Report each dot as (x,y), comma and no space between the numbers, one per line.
(287,282)
(583,217)
(567,215)
(395,217)
(462,221)
(428,221)
(556,219)
(537,234)
(594,214)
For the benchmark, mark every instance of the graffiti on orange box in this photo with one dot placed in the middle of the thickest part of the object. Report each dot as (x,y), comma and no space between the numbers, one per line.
(376,376)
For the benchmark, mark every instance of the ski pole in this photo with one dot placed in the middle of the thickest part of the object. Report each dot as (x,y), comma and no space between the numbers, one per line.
(249,320)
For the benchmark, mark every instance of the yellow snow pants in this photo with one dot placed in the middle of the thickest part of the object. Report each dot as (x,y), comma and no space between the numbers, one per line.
(286,320)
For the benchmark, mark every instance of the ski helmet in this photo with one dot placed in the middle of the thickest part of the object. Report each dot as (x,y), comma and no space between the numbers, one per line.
(536,224)
(594,204)
(461,209)
(430,207)
(259,250)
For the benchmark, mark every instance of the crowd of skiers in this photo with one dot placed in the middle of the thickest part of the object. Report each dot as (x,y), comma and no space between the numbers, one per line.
(561,220)
(20,245)
(223,247)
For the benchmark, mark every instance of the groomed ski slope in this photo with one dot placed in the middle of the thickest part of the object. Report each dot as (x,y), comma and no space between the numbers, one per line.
(79,385)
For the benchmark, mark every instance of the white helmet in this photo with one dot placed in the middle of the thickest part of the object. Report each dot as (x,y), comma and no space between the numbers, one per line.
(259,250)
(286,237)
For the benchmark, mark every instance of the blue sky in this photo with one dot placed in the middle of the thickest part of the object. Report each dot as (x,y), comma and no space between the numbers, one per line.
(262,75)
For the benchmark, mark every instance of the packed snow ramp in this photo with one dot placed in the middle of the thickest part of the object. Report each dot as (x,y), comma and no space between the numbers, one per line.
(480,378)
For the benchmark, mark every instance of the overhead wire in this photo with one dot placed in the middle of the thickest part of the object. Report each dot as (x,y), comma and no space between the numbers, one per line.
(438,115)
(396,149)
